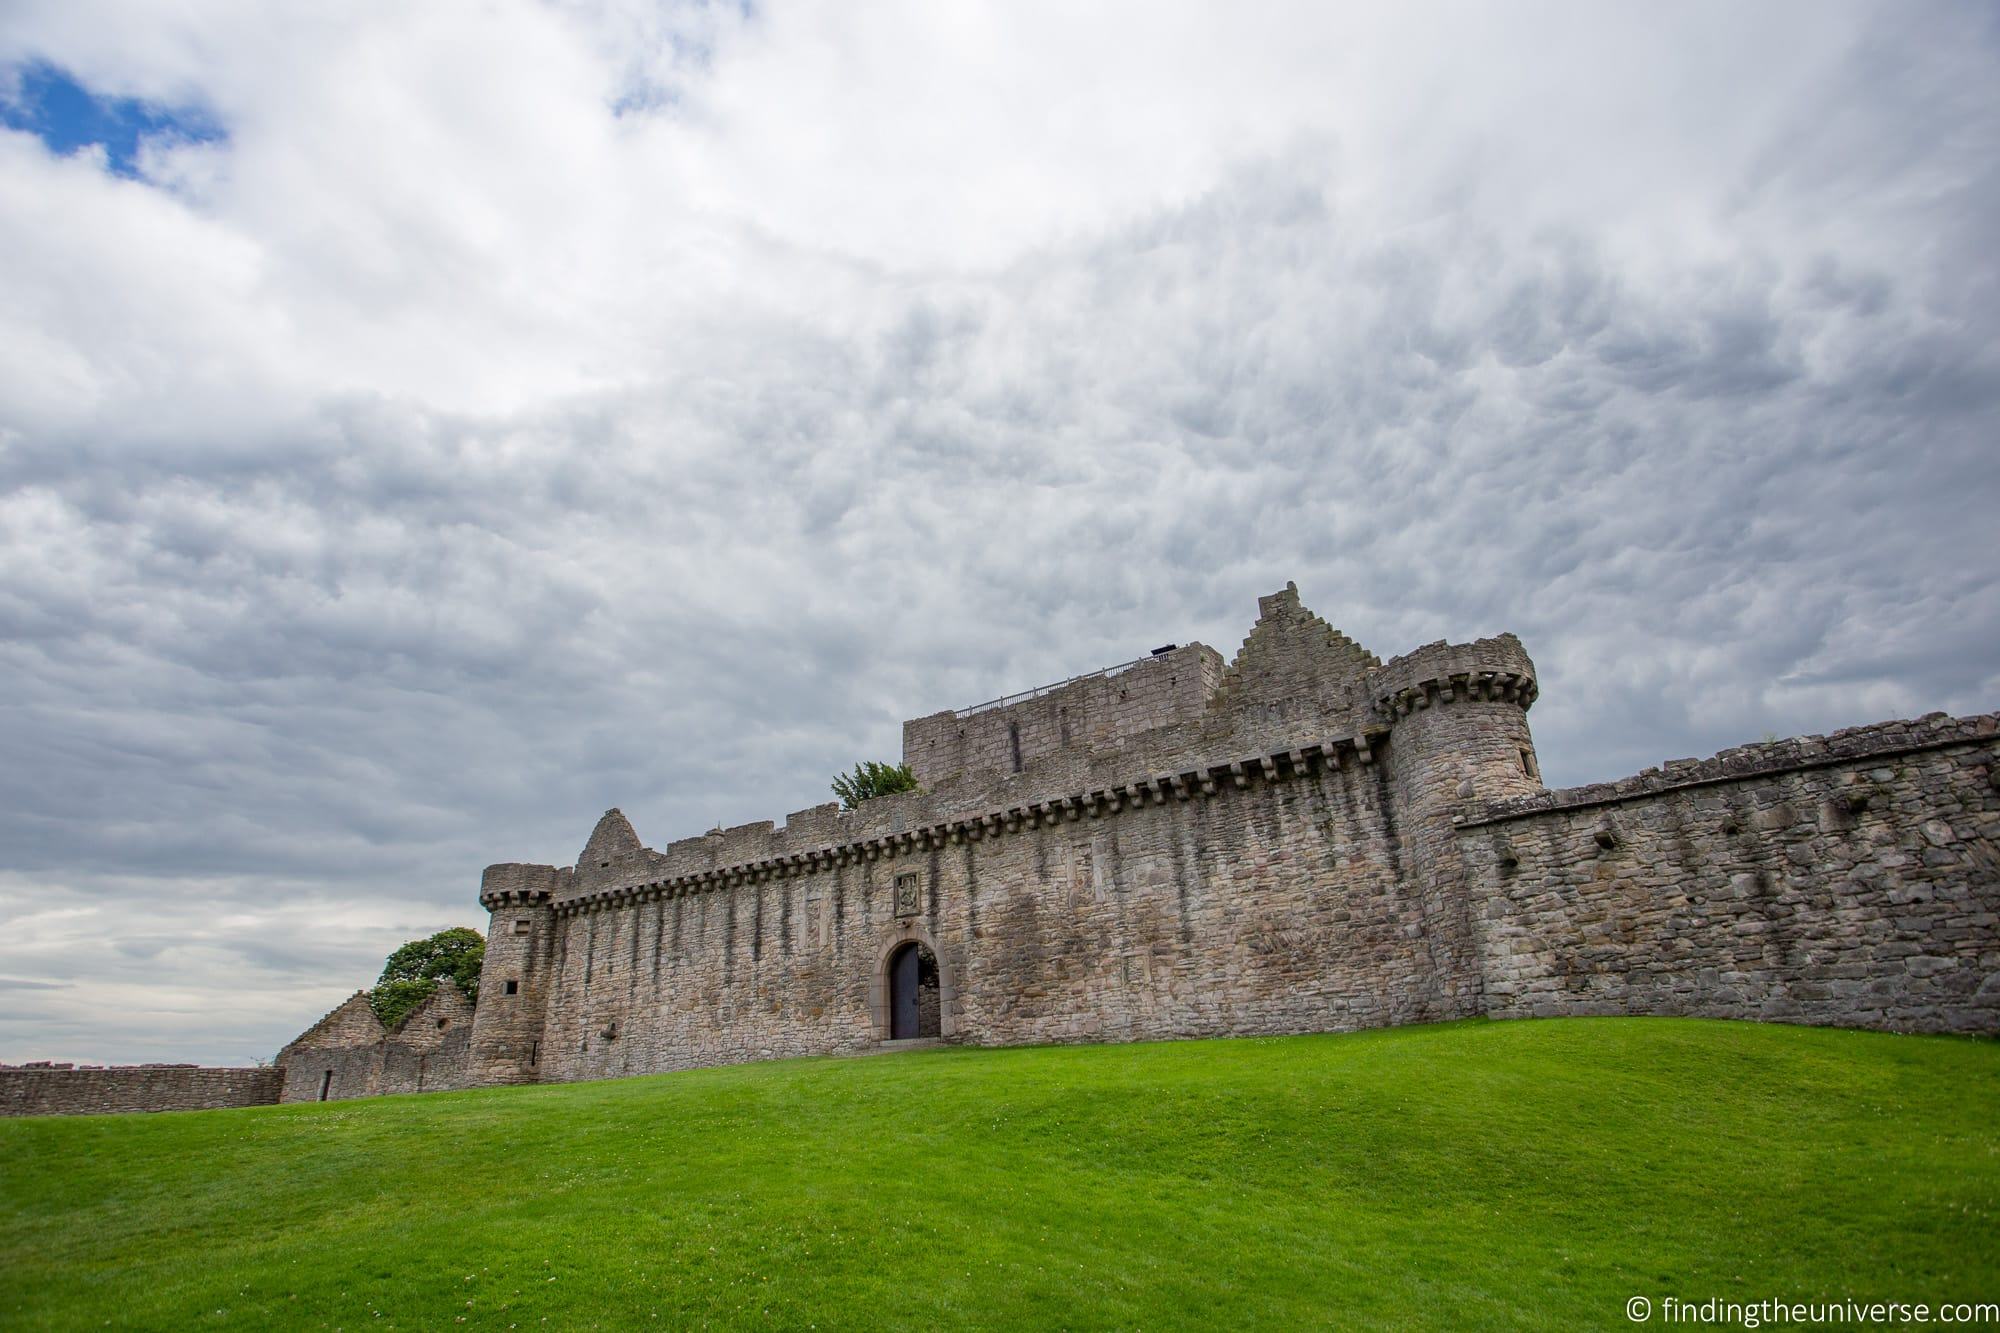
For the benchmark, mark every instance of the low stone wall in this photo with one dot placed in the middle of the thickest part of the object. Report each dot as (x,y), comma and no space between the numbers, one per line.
(1852,879)
(57,1089)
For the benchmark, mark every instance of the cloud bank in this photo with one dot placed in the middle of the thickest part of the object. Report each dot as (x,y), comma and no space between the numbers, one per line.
(502,411)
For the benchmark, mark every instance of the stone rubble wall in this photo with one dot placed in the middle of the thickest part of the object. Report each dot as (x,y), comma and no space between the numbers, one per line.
(343,1055)
(388,1066)
(355,1071)
(1852,879)
(59,1089)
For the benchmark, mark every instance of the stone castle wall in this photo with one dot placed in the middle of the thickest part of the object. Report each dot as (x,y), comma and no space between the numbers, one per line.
(1851,880)
(1274,855)
(1304,839)
(1307,839)
(59,1089)
(1168,910)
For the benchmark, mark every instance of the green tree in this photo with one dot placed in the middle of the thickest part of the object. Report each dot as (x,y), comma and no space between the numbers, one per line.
(871,779)
(411,974)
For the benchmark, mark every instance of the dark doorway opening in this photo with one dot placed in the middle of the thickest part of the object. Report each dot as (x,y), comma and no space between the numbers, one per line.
(913,993)
(325,1084)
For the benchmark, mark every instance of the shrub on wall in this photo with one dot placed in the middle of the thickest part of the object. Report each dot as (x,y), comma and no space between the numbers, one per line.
(871,779)
(411,974)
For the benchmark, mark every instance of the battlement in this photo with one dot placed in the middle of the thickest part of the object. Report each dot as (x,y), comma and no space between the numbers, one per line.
(514,882)
(1296,687)
(868,847)
(1443,673)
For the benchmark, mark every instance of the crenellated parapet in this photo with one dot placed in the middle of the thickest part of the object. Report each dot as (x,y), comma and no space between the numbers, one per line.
(1194,783)
(517,884)
(495,899)
(1494,670)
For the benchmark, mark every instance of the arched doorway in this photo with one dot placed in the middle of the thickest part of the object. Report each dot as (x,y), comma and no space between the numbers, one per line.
(914,1009)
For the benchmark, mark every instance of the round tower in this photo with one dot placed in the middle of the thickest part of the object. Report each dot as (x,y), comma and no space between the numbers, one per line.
(1457,721)
(514,980)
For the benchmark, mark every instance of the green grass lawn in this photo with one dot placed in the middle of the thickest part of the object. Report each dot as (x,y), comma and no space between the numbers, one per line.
(1468,1175)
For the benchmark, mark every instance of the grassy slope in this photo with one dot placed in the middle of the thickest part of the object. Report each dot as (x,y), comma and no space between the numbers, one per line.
(1469,1174)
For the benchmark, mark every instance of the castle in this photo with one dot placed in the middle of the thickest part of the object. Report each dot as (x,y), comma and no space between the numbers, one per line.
(1302,839)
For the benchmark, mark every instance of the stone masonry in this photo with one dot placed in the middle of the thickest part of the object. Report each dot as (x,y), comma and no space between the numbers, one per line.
(1302,839)
(350,1054)
(67,1089)
(1848,880)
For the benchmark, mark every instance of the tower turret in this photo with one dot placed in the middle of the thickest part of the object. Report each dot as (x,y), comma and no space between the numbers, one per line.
(514,980)
(1457,715)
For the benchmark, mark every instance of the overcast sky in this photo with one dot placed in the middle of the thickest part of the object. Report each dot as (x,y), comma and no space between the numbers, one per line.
(424,426)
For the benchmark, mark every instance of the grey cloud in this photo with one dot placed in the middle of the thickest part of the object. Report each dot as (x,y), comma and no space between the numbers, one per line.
(299,676)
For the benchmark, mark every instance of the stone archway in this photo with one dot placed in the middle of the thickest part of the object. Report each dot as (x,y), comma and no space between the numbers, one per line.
(930,1000)
(913,992)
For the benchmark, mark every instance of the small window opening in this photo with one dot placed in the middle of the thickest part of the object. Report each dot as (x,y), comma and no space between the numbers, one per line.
(325,1084)
(604,865)
(522,925)
(1014,743)
(534,1052)
(583,1047)
(1528,765)
(513,988)
(443,1023)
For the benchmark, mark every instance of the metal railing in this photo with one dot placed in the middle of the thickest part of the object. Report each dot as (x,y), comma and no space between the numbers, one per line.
(1050,688)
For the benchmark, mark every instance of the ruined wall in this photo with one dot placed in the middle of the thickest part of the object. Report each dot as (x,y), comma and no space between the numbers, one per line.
(428,1051)
(427,1066)
(339,1056)
(350,1054)
(321,1073)
(60,1089)
(1851,880)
